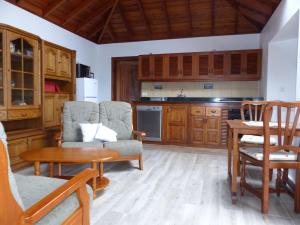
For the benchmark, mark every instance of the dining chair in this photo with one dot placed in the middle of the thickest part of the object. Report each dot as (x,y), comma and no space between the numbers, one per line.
(282,156)
(253,111)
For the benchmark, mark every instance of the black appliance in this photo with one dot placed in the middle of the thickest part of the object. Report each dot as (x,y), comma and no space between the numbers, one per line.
(235,114)
(83,71)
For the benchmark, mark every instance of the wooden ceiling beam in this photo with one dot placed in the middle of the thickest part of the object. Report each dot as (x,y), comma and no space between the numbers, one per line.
(236,6)
(236,22)
(189,13)
(123,18)
(97,13)
(111,33)
(256,5)
(253,15)
(107,21)
(167,17)
(52,6)
(81,6)
(145,18)
(213,16)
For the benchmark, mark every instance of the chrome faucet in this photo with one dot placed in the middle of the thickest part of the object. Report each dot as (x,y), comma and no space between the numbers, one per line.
(181,95)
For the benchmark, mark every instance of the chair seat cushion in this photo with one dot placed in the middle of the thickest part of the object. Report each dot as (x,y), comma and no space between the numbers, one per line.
(253,139)
(34,188)
(125,147)
(257,153)
(95,143)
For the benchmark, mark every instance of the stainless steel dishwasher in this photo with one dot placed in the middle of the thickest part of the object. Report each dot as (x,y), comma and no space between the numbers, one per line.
(149,120)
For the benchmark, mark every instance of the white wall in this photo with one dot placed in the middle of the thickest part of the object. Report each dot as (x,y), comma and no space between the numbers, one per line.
(282,70)
(277,28)
(106,52)
(17,17)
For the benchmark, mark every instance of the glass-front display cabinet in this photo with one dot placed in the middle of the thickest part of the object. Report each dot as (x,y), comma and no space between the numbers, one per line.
(23,73)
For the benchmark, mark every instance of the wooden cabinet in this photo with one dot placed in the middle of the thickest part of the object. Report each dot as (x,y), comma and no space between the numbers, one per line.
(52,110)
(205,125)
(23,74)
(20,142)
(3,84)
(176,124)
(202,66)
(57,62)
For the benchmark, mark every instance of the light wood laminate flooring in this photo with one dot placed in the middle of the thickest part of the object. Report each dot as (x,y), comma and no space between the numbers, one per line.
(179,186)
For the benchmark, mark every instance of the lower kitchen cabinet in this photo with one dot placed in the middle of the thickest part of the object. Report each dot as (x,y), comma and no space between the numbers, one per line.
(176,124)
(213,131)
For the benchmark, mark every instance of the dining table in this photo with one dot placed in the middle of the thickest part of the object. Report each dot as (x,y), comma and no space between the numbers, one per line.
(236,128)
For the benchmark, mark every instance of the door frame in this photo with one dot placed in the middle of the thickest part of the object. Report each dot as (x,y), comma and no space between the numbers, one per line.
(114,61)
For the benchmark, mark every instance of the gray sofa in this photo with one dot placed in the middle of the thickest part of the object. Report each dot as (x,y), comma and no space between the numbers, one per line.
(28,191)
(113,114)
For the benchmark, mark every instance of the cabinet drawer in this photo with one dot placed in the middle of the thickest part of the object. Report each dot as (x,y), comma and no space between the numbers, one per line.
(213,111)
(3,115)
(24,114)
(16,147)
(198,111)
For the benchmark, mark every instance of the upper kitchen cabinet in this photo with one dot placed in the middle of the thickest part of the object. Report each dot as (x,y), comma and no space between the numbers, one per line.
(57,62)
(202,66)
(23,76)
(244,65)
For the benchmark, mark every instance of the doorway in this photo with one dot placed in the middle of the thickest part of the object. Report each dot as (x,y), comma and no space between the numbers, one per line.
(125,85)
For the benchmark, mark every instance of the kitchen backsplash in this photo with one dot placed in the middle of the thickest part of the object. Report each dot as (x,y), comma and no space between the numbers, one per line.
(198,89)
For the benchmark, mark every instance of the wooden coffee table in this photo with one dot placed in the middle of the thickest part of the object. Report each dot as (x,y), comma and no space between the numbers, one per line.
(53,155)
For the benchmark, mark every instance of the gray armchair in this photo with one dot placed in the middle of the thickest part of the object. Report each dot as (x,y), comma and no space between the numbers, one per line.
(42,200)
(115,115)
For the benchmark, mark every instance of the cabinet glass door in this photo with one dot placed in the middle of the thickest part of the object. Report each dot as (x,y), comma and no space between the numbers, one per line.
(22,72)
(187,66)
(1,70)
(235,64)
(218,64)
(158,66)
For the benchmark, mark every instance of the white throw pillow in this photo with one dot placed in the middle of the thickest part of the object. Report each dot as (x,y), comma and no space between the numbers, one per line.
(106,134)
(89,131)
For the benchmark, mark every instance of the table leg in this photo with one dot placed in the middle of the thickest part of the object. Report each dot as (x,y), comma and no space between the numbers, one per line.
(51,169)
(235,161)
(37,169)
(101,171)
(94,182)
(229,148)
(297,192)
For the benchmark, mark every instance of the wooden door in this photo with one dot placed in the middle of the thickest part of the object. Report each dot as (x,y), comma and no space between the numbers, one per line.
(187,62)
(202,66)
(158,68)
(50,60)
(236,64)
(40,141)
(65,64)
(176,124)
(213,130)
(50,110)
(173,67)
(23,72)
(218,64)
(252,64)
(126,85)
(59,103)
(145,70)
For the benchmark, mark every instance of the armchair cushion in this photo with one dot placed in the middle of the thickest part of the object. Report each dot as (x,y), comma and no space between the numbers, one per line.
(118,117)
(126,147)
(71,144)
(12,181)
(34,188)
(75,113)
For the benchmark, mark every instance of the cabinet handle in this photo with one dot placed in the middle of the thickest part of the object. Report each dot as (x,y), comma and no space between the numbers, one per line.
(213,111)
(23,114)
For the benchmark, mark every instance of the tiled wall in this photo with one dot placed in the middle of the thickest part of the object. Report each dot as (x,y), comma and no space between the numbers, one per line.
(196,89)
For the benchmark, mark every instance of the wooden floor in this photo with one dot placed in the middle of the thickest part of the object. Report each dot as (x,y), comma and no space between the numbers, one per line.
(179,186)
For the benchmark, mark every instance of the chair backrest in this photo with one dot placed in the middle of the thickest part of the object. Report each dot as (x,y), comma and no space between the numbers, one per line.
(117,116)
(254,108)
(285,127)
(74,113)
(10,209)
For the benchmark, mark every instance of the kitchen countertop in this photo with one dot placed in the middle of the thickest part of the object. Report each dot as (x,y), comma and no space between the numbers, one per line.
(196,100)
